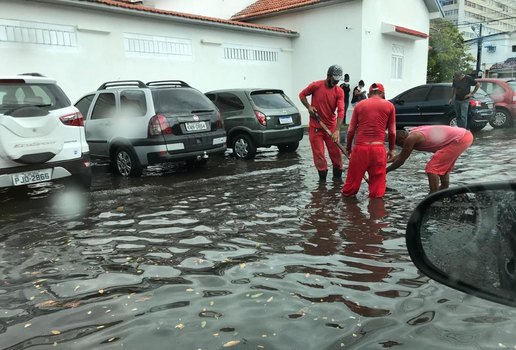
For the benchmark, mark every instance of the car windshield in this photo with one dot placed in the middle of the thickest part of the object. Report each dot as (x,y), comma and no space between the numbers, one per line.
(179,100)
(270,99)
(42,95)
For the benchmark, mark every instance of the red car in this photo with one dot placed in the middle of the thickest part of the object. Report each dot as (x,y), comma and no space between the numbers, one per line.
(503,93)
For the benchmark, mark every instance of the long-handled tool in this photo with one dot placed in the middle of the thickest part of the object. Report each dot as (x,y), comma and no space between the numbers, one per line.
(325,128)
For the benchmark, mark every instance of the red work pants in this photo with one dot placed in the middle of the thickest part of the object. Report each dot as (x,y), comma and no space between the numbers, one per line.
(371,159)
(318,138)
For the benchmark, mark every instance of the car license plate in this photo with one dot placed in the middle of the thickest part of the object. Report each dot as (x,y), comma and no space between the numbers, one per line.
(30,177)
(196,126)
(285,120)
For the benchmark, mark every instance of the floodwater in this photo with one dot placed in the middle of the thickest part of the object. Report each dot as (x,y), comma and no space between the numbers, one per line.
(239,254)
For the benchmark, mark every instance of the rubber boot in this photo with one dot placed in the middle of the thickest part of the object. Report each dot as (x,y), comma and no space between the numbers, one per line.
(337,174)
(322,175)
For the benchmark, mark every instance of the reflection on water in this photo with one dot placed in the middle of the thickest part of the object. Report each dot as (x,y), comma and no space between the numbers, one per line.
(250,255)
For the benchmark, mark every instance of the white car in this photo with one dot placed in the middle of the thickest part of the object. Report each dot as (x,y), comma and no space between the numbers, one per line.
(41,134)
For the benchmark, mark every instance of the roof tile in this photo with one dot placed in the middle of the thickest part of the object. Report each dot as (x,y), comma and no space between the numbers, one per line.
(263,7)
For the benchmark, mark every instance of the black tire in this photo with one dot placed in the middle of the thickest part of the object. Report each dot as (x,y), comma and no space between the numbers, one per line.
(501,119)
(288,147)
(477,126)
(243,147)
(126,163)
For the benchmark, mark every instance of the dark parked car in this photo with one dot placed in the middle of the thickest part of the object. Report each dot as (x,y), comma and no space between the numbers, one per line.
(135,124)
(258,118)
(503,93)
(429,104)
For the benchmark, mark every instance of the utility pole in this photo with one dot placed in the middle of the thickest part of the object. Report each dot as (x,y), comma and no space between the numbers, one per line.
(479,49)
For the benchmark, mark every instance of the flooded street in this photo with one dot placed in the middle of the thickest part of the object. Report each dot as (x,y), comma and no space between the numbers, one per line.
(238,254)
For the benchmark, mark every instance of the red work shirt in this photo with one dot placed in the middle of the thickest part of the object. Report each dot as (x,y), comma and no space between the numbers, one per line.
(326,100)
(369,120)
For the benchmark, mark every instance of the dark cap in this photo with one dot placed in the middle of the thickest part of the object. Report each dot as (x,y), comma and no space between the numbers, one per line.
(336,72)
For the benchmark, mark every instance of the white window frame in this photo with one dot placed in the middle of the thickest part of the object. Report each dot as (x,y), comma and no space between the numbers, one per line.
(143,45)
(38,33)
(398,54)
(250,53)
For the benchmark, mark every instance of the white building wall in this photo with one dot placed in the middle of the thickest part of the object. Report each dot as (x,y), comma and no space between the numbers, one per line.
(502,43)
(100,55)
(328,35)
(378,47)
(212,8)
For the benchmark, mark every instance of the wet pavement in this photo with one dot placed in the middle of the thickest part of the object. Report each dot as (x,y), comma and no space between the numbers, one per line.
(237,254)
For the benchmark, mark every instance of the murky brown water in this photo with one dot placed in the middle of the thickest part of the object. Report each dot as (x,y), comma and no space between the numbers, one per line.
(248,255)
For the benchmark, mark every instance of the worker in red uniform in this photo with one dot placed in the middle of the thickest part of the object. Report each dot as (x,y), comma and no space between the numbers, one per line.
(446,142)
(326,98)
(369,120)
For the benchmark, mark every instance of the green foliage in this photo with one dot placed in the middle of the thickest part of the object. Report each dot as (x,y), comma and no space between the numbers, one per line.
(447,53)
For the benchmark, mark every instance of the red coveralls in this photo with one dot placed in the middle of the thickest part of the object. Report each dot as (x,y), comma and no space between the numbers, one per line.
(369,120)
(326,100)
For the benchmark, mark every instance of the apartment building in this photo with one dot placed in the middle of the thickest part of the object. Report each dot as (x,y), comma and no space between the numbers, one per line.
(496,16)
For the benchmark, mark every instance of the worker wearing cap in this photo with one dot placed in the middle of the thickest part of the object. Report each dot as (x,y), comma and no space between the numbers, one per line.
(369,120)
(326,98)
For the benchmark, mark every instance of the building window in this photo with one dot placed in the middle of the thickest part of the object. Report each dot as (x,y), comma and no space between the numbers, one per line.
(157,46)
(37,33)
(397,62)
(448,2)
(513,48)
(250,54)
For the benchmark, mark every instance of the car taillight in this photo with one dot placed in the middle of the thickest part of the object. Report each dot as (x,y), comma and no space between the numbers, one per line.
(220,123)
(514,98)
(262,119)
(475,103)
(158,125)
(74,119)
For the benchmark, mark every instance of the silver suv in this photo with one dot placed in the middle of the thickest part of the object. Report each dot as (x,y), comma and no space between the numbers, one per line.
(135,124)
(41,134)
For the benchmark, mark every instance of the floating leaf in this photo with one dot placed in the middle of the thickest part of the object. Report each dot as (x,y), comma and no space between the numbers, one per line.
(203,324)
(48,303)
(242,265)
(101,291)
(270,299)
(189,290)
(55,332)
(76,288)
(257,295)
(27,325)
(231,343)
(120,209)
(180,326)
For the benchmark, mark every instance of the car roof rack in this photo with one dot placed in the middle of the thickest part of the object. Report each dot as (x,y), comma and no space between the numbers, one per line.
(33,74)
(121,83)
(168,83)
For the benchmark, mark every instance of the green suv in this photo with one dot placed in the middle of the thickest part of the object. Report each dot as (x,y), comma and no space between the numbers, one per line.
(258,118)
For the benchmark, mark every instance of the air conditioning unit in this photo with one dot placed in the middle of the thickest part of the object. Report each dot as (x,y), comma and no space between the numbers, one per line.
(491,48)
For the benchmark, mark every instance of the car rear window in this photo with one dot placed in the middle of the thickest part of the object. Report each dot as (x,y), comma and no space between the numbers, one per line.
(270,99)
(512,84)
(48,96)
(180,100)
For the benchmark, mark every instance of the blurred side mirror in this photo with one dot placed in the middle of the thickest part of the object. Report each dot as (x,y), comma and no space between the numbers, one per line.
(465,238)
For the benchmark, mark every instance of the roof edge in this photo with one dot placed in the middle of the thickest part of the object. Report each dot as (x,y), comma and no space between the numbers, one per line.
(174,16)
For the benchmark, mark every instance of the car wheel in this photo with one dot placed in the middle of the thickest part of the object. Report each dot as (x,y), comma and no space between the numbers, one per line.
(288,147)
(126,163)
(453,121)
(501,119)
(243,147)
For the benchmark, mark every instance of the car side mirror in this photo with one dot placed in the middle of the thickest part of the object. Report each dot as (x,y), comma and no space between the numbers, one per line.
(465,238)
(399,102)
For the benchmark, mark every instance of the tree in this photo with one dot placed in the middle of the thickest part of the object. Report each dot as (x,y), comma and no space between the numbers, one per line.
(447,53)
